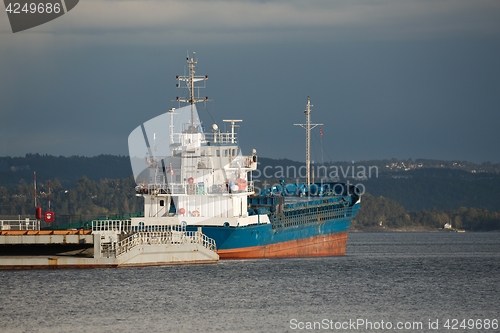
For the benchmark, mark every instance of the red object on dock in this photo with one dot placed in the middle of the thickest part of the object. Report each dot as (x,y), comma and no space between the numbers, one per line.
(38,213)
(49,217)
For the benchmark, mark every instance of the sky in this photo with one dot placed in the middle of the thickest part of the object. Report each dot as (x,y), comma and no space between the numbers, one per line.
(387,78)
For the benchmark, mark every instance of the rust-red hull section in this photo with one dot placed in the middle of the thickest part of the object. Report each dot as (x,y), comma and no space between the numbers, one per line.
(318,246)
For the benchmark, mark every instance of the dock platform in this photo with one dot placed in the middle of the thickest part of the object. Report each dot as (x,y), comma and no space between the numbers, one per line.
(103,246)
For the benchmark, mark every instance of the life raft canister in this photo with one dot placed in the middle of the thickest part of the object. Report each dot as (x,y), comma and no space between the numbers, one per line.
(242,184)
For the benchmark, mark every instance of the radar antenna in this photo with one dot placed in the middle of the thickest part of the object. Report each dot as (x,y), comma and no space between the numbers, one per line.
(189,83)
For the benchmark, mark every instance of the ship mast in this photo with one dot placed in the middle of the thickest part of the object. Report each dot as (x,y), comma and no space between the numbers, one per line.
(308,127)
(189,83)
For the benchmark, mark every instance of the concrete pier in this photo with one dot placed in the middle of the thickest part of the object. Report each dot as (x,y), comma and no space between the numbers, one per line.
(51,249)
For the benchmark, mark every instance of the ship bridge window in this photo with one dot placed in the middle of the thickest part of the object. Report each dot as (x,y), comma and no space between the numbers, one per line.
(234,152)
(217,153)
(225,152)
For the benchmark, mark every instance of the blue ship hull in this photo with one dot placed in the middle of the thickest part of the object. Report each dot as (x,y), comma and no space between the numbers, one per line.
(285,238)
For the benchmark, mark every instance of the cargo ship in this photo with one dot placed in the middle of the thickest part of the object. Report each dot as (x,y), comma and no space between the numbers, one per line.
(199,179)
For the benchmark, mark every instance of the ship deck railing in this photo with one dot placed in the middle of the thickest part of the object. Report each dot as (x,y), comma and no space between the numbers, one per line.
(172,237)
(20,224)
(191,189)
(119,226)
(212,138)
(311,215)
(221,138)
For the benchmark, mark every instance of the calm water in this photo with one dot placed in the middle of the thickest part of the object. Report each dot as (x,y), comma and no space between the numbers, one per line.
(390,277)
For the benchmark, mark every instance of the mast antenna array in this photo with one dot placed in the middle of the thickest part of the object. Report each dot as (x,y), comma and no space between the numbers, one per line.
(233,122)
(189,83)
(308,127)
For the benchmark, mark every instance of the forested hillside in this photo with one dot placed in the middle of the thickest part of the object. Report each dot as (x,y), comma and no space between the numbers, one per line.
(87,187)
(442,189)
(15,171)
(417,188)
(378,213)
(86,200)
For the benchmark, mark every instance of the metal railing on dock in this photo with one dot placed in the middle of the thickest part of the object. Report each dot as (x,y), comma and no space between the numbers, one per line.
(20,224)
(170,237)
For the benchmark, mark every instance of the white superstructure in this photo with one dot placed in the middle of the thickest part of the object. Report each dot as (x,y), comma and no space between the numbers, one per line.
(188,176)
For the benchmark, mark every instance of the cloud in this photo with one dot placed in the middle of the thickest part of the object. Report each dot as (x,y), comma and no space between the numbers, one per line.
(215,21)
(103,67)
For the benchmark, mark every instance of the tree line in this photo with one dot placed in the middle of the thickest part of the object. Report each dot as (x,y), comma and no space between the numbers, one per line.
(90,199)
(377,212)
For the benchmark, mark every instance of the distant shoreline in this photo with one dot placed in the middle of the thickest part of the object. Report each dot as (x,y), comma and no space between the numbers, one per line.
(413,229)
